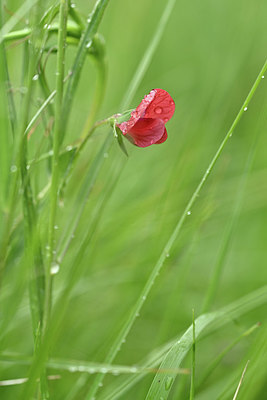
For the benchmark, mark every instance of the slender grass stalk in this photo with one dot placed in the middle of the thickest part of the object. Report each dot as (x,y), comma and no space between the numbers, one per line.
(241,380)
(135,312)
(193,369)
(4,154)
(55,160)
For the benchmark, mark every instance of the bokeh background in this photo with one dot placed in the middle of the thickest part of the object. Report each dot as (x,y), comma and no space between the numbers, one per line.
(208,58)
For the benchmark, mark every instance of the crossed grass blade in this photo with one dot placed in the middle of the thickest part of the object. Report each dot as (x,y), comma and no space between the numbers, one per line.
(161,385)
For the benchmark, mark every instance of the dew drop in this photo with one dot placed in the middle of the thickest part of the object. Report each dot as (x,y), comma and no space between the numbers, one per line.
(188,212)
(100,384)
(73,5)
(262,77)
(45,26)
(158,110)
(167,255)
(104,370)
(55,269)
(105,155)
(137,314)
(56,227)
(28,167)
(13,168)
(144,297)
(88,44)
(36,77)
(68,148)
(168,382)
(245,109)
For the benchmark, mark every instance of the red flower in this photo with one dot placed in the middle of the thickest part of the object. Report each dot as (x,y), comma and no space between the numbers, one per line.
(147,123)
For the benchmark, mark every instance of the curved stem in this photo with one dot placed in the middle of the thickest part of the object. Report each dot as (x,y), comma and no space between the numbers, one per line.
(73,30)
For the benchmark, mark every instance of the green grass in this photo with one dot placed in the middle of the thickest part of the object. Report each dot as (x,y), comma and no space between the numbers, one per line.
(134,243)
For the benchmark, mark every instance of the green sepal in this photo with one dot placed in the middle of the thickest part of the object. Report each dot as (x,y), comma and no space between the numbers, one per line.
(118,136)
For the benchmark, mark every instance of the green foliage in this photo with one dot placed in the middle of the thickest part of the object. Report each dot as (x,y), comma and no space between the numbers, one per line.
(103,256)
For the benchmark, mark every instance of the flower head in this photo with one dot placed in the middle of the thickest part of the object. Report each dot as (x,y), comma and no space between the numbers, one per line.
(146,125)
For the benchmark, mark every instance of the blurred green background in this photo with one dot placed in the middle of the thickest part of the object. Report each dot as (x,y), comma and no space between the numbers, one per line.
(208,59)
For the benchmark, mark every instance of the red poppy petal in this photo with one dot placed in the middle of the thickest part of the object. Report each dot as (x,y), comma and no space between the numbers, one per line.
(163,138)
(146,132)
(162,106)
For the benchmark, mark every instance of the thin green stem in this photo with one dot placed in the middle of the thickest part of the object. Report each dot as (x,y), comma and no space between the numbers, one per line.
(193,371)
(55,159)
(135,312)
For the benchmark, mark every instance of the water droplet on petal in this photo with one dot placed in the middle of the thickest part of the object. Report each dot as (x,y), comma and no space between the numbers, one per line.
(158,110)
